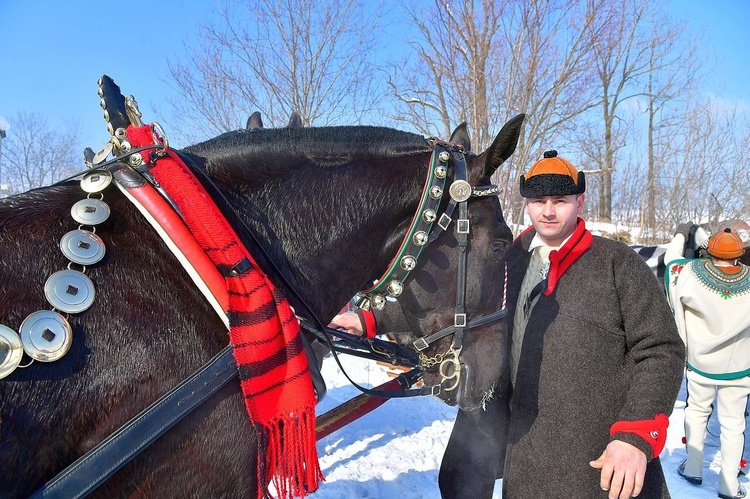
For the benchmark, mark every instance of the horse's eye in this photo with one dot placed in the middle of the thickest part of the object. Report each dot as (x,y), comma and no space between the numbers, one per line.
(497,246)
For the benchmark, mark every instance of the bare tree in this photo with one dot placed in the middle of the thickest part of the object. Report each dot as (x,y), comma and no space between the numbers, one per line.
(276,58)
(711,172)
(456,58)
(34,154)
(484,61)
(635,44)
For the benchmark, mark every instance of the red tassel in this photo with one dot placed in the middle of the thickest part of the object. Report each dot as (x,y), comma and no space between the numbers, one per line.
(684,440)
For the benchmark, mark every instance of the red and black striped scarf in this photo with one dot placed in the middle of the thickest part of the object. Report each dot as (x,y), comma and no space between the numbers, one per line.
(265,335)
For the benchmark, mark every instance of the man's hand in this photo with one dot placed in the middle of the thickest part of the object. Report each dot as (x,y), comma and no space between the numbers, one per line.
(623,469)
(348,321)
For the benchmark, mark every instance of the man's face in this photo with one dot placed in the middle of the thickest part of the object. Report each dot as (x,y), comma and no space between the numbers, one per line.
(554,217)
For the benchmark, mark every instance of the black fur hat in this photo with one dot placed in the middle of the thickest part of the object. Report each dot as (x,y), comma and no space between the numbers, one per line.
(552,176)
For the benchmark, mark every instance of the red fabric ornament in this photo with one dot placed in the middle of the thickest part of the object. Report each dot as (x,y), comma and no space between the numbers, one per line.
(560,260)
(653,431)
(272,363)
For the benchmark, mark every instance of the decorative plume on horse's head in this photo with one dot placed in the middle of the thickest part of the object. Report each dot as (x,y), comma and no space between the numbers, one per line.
(113,103)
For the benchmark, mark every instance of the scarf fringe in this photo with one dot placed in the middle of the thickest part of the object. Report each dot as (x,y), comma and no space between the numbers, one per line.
(291,458)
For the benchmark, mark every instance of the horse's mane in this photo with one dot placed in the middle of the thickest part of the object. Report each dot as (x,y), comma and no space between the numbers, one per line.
(322,146)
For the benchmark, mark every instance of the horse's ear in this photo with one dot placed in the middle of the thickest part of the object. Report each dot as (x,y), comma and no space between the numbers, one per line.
(295,120)
(254,121)
(460,136)
(504,144)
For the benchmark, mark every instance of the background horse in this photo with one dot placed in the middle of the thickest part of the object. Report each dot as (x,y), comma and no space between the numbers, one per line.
(330,206)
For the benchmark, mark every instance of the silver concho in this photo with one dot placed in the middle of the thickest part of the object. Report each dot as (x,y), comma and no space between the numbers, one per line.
(444,156)
(102,154)
(90,211)
(11,351)
(69,291)
(96,181)
(46,335)
(429,216)
(82,247)
(460,191)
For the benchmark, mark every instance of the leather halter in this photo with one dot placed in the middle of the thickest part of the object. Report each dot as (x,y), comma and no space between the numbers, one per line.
(424,229)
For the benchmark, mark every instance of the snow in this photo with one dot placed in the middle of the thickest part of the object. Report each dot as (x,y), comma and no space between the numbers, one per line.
(395,450)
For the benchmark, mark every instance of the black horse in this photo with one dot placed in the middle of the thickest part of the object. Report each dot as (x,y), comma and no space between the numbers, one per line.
(330,207)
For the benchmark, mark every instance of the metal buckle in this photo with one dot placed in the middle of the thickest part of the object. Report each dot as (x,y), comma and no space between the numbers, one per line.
(420,344)
(459,320)
(443,223)
(462,226)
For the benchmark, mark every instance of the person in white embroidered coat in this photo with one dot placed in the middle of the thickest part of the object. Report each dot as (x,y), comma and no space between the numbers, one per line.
(711,300)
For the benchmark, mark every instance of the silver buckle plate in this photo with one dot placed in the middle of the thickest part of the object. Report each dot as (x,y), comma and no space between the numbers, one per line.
(444,221)
(459,320)
(420,344)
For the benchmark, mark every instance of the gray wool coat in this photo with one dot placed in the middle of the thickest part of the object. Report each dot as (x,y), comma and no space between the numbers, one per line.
(602,347)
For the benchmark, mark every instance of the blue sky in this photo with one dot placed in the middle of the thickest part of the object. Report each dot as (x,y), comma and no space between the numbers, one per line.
(52,53)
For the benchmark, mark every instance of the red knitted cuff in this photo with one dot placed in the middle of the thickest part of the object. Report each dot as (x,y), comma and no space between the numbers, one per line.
(653,431)
(368,323)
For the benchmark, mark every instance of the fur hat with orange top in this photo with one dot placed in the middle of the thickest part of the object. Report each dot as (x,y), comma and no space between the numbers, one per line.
(552,176)
(725,245)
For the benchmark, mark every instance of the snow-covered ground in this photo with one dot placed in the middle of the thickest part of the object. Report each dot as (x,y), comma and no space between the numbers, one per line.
(395,451)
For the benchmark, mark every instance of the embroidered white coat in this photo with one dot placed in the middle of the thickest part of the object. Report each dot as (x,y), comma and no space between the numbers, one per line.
(712,311)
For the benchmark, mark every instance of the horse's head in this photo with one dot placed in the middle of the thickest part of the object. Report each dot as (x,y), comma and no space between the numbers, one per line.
(469,367)
(332,206)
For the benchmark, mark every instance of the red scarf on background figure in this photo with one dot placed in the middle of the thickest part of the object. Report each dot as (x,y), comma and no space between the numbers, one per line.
(264,333)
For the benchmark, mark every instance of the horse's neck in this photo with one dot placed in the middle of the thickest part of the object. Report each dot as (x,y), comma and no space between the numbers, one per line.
(327,242)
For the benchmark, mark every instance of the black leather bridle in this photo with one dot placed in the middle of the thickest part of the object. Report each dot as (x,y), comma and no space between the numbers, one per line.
(425,228)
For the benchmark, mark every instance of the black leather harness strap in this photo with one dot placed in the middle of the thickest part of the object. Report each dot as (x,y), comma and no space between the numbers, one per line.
(112,453)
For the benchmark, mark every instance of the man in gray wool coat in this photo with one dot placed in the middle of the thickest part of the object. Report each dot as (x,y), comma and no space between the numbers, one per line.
(595,358)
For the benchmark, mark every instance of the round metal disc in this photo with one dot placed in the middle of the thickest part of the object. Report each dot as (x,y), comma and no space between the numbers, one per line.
(69,291)
(82,247)
(46,335)
(11,351)
(460,190)
(96,181)
(90,211)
